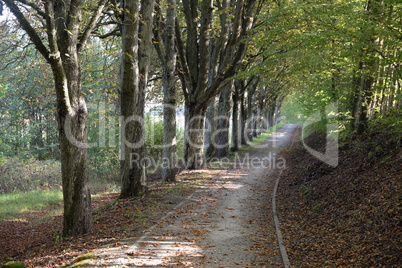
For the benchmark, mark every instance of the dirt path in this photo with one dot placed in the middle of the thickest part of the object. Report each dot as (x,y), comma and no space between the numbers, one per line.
(227,222)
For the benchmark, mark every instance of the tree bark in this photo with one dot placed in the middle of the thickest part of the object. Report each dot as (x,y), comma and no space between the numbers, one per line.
(169,168)
(235,118)
(74,165)
(356,103)
(224,107)
(136,39)
(194,138)
(243,116)
(210,130)
(250,116)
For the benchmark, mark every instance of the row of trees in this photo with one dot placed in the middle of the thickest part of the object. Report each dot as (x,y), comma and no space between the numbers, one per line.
(207,40)
(235,62)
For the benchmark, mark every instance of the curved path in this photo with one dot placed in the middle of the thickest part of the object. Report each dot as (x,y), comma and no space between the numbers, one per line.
(226,222)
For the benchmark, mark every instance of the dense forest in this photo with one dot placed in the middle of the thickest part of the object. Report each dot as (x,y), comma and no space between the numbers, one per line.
(104,95)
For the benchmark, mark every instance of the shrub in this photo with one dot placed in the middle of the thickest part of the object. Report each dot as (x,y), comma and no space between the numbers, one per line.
(18,174)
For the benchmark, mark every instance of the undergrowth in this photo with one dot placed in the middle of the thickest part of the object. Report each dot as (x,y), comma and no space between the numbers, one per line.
(18,174)
(30,185)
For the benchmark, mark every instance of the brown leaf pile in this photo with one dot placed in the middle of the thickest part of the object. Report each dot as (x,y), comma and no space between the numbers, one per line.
(348,216)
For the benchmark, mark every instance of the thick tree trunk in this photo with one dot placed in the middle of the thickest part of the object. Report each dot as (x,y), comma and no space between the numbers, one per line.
(194,138)
(75,176)
(136,37)
(169,168)
(72,118)
(133,171)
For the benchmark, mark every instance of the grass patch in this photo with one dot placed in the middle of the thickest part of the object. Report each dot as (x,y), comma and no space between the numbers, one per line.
(13,264)
(13,204)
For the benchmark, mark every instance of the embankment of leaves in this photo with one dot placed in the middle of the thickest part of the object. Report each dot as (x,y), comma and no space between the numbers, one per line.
(350,215)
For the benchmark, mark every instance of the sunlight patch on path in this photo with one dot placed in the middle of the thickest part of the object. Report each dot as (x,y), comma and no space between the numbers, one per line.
(171,241)
(160,251)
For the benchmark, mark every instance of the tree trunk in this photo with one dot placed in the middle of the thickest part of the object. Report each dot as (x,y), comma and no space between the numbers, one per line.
(235,118)
(366,87)
(169,169)
(194,138)
(250,118)
(223,122)
(210,130)
(243,117)
(258,122)
(356,103)
(135,65)
(75,176)
(72,118)
(250,125)
(254,123)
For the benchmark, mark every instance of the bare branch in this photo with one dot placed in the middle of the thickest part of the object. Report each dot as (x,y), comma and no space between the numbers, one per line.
(33,35)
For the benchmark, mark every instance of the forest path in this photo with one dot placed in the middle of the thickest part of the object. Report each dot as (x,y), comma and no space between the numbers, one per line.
(226,222)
